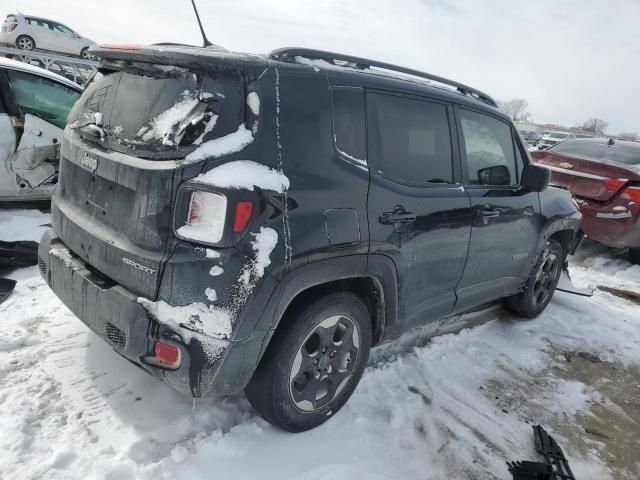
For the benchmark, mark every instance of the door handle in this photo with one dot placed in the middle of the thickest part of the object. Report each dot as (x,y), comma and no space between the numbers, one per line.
(490,213)
(397,216)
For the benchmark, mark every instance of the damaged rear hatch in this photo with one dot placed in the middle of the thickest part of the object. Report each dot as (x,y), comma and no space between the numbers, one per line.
(126,151)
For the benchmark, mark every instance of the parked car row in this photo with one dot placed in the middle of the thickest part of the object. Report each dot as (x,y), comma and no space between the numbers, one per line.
(546,140)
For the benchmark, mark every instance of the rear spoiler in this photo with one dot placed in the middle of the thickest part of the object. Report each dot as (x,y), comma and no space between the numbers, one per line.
(185,56)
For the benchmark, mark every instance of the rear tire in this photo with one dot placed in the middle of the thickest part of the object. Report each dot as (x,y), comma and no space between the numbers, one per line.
(313,364)
(539,289)
(25,42)
(634,256)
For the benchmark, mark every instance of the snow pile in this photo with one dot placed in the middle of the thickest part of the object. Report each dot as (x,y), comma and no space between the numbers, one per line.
(64,254)
(253,102)
(209,320)
(245,174)
(264,243)
(23,225)
(216,270)
(210,125)
(219,147)
(164,125)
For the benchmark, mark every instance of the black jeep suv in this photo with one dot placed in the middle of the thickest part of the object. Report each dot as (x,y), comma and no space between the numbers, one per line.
(229,221)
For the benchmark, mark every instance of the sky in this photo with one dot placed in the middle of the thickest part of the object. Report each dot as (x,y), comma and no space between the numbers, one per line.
(570,59)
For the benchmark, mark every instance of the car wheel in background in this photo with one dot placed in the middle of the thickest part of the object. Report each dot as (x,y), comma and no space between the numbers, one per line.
(313,364)
(25,42)
(85,55)
(634,255)
(542,283)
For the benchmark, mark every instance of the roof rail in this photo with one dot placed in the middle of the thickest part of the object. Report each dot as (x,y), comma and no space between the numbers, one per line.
(363,63)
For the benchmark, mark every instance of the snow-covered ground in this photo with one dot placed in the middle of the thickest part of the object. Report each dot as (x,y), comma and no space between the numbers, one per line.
(455,407)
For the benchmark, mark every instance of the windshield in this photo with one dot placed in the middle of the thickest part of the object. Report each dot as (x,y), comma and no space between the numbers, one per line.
(159,112)
(559,135)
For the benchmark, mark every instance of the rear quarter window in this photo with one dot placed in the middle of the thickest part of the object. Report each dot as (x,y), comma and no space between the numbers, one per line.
(349,122)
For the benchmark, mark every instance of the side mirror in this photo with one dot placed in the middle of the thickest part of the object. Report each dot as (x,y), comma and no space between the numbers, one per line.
(75,35)
(535,178)
(495,175)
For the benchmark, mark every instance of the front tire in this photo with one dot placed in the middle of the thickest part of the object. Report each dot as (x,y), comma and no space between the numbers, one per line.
(539,289)
(85,55)
(634,256)
(25,42)
(313,364)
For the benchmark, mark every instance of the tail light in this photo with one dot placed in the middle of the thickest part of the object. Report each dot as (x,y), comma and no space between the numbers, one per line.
(11,27)
(632,194)
(167,354)
(244,211)
(614,184)
(212,218)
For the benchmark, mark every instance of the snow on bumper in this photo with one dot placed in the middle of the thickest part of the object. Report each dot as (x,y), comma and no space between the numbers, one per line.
(116,315)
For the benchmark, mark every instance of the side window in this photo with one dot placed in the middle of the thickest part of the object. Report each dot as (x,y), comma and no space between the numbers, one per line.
(43,98)
(489,149)
(409,139)
(519,159)
(61,28)
(349,122)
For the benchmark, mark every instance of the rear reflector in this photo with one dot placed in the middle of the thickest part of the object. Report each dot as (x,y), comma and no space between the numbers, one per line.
(632,193)
(244,210)
(167,354)
(614,184)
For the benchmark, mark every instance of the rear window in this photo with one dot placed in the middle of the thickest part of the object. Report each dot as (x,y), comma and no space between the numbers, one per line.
(629,155)
(160,112)
(11,18)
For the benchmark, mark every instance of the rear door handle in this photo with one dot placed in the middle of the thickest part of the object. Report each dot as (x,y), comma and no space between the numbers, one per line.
(389,218)
(490,213)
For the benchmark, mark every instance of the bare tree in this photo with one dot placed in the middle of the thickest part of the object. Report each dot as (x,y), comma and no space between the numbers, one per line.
(596,126)
(516,109)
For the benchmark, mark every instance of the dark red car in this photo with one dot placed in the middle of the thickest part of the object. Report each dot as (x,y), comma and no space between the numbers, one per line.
(604,178)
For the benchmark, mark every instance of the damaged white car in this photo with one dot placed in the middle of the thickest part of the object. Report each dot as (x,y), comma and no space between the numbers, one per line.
(34,105)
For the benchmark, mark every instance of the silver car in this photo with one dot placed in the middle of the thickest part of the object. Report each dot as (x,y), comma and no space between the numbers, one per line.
(28,33)
(36,105)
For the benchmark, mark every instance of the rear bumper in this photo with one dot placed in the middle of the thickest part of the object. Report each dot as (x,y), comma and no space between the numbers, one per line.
(209,365)
(614,228)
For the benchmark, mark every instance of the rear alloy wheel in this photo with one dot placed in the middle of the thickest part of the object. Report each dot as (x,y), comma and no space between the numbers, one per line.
(542,283)
(25,43)
(313,363)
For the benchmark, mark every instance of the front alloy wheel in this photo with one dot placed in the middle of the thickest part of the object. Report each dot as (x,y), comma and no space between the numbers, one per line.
(315,360)
(542,282)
